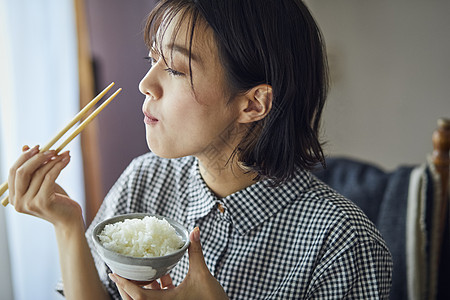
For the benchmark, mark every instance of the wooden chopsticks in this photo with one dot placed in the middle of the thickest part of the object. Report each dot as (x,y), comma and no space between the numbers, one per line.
(4,186)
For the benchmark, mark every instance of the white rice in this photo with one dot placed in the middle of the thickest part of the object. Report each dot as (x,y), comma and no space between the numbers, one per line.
(147,237)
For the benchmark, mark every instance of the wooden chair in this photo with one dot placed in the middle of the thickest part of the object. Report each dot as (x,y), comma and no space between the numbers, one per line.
(441,161)
(386,199)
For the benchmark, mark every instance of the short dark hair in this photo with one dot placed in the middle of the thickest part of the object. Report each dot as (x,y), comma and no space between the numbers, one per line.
(274,42)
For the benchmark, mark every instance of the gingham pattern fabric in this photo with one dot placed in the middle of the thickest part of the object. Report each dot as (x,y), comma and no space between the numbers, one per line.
(300,240)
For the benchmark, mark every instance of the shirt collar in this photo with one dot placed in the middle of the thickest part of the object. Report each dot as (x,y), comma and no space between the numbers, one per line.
(252,206)
(201,200)
(249,207)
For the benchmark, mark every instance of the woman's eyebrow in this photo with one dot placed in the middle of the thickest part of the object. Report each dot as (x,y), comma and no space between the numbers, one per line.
(184,51)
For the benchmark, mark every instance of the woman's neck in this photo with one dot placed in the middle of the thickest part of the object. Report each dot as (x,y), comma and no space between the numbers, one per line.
(225,178)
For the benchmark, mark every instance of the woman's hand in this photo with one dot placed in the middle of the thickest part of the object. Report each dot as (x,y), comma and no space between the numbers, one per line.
(199,283)
(32,187)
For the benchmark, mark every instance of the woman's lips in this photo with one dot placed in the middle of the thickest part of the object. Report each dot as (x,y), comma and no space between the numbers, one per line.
(149,119)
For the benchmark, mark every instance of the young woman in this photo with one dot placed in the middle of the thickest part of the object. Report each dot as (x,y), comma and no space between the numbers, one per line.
(233,101)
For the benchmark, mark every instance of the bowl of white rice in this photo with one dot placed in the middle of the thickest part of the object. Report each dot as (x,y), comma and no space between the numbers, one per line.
(140,246)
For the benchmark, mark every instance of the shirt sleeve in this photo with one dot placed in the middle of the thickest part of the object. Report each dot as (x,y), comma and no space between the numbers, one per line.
(361,272)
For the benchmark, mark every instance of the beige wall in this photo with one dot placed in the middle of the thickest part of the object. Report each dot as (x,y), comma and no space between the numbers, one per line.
(390,66)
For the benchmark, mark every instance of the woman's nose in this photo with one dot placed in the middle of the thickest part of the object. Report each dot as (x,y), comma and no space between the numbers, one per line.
(150,86)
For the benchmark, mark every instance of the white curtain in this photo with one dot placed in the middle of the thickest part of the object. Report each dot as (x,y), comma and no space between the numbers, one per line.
(38,96)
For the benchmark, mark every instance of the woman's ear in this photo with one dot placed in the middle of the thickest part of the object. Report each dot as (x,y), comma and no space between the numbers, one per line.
(256,103)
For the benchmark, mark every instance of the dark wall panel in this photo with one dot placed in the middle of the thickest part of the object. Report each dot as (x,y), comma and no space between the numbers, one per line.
(116,29)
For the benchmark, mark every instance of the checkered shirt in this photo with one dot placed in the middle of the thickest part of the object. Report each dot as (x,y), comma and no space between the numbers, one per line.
(299,240)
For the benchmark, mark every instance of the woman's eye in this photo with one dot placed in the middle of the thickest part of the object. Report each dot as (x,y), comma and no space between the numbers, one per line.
(151,60)
(173,72)
(169,70)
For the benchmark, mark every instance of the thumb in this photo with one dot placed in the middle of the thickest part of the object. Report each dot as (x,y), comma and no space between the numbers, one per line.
(196,259)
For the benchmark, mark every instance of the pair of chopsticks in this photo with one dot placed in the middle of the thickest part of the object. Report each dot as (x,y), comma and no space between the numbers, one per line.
(4,186)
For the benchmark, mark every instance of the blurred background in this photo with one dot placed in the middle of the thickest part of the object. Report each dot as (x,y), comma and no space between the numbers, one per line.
(390,83)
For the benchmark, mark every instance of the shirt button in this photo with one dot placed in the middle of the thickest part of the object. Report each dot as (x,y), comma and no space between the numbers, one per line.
(221,208)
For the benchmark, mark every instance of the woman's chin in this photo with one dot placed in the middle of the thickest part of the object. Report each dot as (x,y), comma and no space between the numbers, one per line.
(164,153)
(170,149)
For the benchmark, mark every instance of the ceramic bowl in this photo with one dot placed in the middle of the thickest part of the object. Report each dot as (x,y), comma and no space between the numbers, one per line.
(137,268)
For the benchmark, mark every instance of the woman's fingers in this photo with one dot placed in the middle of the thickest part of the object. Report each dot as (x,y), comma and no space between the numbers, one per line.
(28,183)
(47,190)
(43,172)
(123,294)
(33,189)
(26,170)
(127,289)
(154,285)
(166,282)
(34,174)
(12,171)
(26,155)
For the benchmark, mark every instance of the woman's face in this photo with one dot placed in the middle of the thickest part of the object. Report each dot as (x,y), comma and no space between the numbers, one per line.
(181,120)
